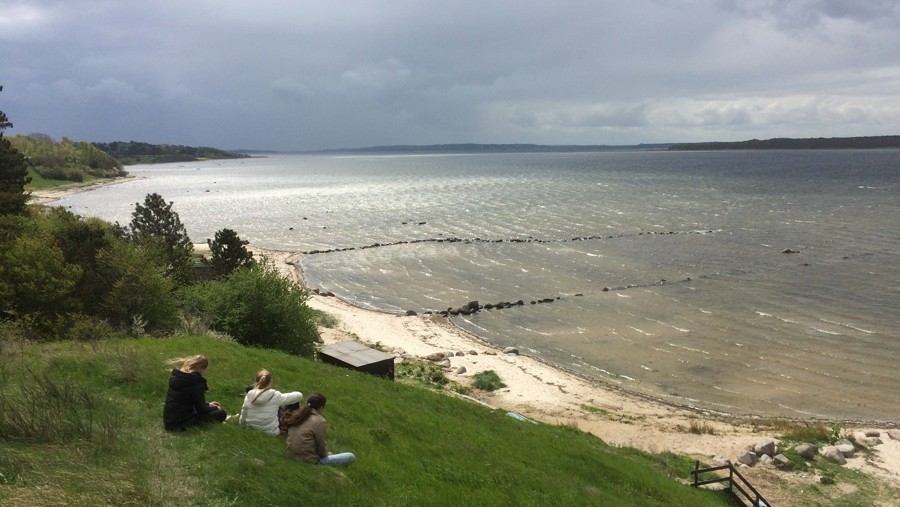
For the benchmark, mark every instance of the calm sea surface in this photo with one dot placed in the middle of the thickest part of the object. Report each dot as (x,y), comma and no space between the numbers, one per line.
(666,270)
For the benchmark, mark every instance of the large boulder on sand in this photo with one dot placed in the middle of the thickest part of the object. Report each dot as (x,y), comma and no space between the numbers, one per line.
(846,448)
(748,458)
(765,446)
(807,451)
(834,455)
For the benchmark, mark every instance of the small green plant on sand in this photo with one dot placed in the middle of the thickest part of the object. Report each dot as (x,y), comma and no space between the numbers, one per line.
(487,381)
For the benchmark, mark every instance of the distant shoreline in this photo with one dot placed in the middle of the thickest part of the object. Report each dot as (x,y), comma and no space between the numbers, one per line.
(819,143)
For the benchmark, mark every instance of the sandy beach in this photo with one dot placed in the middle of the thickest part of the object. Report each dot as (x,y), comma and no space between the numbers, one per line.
(553,396)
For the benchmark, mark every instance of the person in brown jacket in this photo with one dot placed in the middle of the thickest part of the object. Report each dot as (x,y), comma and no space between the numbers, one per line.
(306,431)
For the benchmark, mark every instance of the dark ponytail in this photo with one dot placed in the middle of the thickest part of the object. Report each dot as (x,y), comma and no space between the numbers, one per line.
(315,401)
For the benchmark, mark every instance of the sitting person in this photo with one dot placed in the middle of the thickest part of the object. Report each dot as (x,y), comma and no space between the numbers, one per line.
(186,399)
(262,404)
(306,435)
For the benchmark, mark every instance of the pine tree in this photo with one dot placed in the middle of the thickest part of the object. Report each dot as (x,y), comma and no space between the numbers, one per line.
(157,226)
(13,174)
(228,252)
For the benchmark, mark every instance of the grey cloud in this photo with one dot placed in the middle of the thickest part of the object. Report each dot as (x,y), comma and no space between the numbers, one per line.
(310,74)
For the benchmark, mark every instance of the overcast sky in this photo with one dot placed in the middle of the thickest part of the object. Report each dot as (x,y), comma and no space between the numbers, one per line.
(302,75)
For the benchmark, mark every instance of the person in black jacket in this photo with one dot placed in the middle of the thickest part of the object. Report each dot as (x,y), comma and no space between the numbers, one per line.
(186,400)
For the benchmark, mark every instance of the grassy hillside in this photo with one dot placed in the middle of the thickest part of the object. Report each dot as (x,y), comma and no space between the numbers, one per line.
(80,424)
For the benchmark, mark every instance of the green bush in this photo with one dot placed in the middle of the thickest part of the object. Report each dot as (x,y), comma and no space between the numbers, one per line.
(257,307)
(137,290)
(35,280)
(488,381)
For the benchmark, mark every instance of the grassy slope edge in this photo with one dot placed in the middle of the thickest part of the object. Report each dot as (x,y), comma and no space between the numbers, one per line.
(105,443)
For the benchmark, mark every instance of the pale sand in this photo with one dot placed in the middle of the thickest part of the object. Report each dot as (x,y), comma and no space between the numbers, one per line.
(553,396)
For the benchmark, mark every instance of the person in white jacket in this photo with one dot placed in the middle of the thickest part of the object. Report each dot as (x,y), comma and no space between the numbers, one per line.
(261,404)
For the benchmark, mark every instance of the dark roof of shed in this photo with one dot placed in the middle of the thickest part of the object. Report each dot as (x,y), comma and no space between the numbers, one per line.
(355,353)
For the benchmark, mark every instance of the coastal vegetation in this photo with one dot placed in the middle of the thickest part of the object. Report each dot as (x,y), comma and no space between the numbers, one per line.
(784,143)
(133,152)
(66,160)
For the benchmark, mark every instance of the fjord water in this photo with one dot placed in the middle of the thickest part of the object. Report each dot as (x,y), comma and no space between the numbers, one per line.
(667,270)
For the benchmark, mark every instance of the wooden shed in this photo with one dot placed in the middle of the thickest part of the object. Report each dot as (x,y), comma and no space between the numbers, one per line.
(356,356)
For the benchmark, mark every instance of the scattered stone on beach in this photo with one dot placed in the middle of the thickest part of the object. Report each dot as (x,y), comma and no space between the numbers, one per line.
(872,441)
(411,313)
(789,251)
(765,446)
(846,447)
(460,370)
(473,352)
(807,451)
(511,350)
(894,434)
(445,363)
(782,461)
(872,433)
(435,357)
(460,353)
(834,455)
(749,458)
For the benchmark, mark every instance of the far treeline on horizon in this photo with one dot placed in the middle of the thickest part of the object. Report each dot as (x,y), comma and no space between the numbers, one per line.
(135,152)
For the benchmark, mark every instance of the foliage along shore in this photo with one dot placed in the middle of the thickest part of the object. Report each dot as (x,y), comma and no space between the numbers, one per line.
(133,152)
(784,143)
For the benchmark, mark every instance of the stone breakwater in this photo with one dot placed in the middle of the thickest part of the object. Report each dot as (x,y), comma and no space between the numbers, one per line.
(474,306)
(502,240)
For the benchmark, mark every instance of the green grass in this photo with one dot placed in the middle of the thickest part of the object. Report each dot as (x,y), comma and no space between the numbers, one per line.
(38,182)
(414,446)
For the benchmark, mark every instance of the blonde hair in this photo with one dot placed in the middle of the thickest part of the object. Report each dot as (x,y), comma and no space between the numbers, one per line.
(190,364)
(263,383)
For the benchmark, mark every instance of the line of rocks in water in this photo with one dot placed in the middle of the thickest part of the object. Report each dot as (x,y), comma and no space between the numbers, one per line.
(474,306)
(508,240)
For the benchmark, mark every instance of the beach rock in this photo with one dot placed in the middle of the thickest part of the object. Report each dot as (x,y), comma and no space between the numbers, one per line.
(894,434)
(765,459)
(410,313)
(473,352)
(460,370)
(834,455)
(846,448)
(445,363)
(789,251)
(873,433)
(435,357)
(765,446)
(511,350)
(807,451)
(720,461)
(782,461)
(872,441)
(749,458)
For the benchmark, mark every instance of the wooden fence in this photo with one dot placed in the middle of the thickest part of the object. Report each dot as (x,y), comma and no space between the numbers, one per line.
(736,483)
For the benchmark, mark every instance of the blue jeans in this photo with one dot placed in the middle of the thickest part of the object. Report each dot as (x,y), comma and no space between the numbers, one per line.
(344,458)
